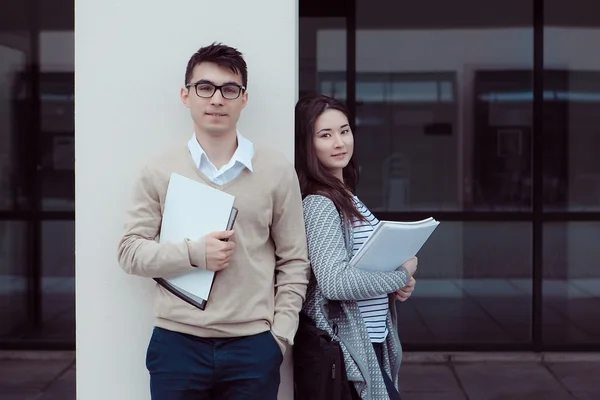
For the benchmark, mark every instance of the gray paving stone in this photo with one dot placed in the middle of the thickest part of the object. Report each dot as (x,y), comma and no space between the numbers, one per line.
(530,395)
(491,379)
(29,376)
(428,378)
(63,389)
(19,395)
(480,357)
(433,396)
(568,357)
(586,396)
(425,357)
(509,381)
(34,355)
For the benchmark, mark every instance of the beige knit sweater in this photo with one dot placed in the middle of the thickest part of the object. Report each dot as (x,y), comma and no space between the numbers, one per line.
(265,284)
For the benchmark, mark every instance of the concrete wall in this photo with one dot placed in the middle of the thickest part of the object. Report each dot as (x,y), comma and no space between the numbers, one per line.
(130,61)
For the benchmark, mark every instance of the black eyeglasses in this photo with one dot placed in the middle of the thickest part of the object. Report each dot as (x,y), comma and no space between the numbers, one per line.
(206,90)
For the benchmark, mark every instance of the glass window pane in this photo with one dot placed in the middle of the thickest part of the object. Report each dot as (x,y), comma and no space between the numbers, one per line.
(56,168)
(572,113)
(15,161)
(371,92)
(14,280)
(57,14)
(571,283)
(473,286)
(58,290)
(58,283)
(326,88)
(446,91)
(52,170)
(448,87)
(323,57)
(340,90)
(415,91)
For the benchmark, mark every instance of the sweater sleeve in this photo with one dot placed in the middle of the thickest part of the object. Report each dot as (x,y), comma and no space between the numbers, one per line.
(292,270)
(330,259)
(139,252)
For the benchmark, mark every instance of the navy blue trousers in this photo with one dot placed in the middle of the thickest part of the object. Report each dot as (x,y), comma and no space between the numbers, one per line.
(184,367)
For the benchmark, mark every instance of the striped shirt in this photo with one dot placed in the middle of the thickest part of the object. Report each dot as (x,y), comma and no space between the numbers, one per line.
(374,311)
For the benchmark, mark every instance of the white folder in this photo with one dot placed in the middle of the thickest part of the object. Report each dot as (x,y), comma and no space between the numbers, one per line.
(193,210)
(392,244)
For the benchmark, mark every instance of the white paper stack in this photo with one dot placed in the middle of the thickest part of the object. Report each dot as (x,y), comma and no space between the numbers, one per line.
(392,244)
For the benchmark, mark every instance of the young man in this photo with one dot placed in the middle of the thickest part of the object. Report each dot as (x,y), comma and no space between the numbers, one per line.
(233,348)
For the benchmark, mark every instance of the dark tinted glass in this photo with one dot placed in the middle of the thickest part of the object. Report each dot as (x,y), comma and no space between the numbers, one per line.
(444,123)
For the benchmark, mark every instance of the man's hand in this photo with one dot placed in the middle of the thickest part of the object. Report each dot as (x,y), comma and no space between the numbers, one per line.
(411,265)
(404,293)
(218,251)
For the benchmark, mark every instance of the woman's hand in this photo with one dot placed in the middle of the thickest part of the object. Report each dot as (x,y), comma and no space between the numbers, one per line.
(404,293)
(411,265)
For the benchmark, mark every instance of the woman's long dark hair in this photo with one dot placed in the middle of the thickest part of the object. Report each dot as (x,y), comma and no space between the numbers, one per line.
(313,176)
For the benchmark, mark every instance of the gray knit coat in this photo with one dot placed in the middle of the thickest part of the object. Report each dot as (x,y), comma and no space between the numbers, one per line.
(330,244)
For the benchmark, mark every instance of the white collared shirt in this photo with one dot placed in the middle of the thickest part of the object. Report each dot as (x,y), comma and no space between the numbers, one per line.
(242,158)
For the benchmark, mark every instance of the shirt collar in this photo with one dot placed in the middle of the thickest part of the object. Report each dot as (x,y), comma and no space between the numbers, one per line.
(243,153)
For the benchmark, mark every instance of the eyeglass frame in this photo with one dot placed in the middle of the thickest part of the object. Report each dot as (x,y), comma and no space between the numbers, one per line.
(217,87)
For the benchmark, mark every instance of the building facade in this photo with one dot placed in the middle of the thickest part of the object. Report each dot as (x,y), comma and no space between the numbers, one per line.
(484,115)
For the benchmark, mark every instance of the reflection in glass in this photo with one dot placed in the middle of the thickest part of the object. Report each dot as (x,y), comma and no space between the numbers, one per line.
(435,131)
(56,167)
(14,279)
(473,286)
(444,118)
(502,167)
(58,282)
(36,169)
(13,60)
(572,106)
(571,283)
(571,164)
(315,56)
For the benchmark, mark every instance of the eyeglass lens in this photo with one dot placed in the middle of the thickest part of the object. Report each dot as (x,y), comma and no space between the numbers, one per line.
(228,91)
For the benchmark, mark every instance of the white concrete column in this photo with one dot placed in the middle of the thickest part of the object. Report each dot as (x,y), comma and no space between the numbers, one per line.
(130,59)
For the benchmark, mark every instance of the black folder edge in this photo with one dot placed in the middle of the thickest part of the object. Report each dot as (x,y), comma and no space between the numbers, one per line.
(181,294)
(173,290)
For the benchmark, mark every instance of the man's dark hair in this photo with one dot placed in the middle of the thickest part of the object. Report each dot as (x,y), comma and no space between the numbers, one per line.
(221,55)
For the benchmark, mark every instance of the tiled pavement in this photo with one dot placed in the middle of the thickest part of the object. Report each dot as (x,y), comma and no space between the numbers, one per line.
(48,378)
(424,376)
(501,381)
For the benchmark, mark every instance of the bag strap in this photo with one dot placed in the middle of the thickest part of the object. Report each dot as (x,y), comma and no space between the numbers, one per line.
(334,310)
(334,306)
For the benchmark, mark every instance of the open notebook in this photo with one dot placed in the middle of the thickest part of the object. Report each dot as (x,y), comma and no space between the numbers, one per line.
(192,210)
(392,244)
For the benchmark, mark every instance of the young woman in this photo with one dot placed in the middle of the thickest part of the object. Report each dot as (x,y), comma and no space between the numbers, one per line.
(337,224)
